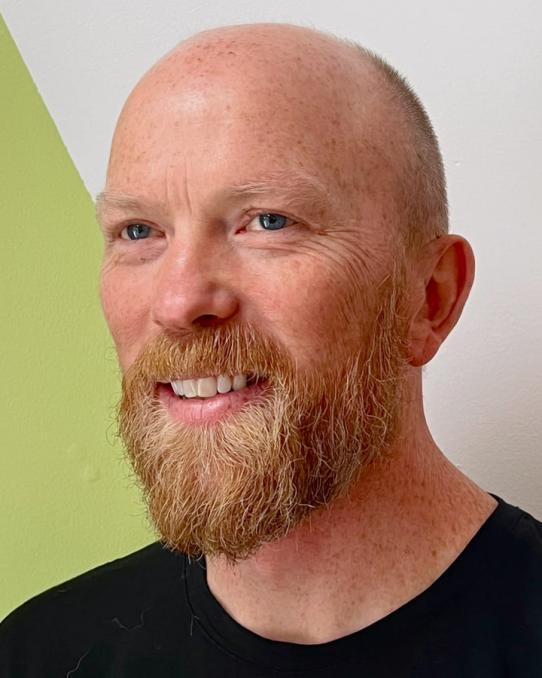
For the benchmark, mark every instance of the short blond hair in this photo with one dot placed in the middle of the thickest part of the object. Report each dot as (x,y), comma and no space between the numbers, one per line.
(422,194)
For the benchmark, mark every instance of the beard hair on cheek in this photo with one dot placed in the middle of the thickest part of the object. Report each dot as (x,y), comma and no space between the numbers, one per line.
(229,487)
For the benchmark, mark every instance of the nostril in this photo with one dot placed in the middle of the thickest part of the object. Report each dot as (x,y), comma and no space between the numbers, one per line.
(207,320)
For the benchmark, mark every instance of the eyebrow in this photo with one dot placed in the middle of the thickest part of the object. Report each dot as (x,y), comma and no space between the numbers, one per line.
(118,200)
(293,186)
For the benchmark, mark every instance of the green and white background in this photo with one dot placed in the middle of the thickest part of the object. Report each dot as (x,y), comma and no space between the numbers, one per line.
(67,499)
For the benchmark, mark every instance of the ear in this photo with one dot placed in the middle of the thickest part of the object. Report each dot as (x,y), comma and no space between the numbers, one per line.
(446,275)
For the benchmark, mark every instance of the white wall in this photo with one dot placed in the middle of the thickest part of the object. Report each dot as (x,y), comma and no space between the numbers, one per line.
(478,68)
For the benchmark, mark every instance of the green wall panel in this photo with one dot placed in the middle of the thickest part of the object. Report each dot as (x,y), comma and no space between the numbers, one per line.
(67,501)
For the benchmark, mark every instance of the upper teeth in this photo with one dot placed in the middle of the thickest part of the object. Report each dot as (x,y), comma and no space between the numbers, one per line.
(207,387)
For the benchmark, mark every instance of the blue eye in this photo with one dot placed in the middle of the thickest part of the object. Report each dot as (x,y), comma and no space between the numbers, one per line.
(136,232)
(272,222)
(269,221)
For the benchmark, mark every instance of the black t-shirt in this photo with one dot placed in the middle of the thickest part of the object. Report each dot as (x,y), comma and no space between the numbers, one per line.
(151,614)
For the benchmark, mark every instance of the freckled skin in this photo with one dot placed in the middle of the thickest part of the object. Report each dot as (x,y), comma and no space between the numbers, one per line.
(193,125)
(227,106)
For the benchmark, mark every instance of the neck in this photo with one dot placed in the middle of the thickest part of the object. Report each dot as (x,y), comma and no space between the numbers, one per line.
(352,563)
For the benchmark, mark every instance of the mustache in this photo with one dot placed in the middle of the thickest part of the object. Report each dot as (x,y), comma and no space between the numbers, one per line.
(226,349)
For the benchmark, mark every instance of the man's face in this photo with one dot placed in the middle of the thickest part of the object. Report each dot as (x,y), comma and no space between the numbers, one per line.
(243,239)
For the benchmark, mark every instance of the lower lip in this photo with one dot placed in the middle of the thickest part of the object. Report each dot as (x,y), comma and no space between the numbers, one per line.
(206,410)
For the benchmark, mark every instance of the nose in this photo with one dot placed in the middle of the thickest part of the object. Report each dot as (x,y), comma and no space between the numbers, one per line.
(191,292)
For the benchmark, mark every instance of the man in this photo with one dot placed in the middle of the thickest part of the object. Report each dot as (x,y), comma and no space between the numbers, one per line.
(277,271)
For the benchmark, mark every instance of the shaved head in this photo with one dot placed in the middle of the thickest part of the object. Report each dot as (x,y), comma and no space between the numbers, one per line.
(421,182)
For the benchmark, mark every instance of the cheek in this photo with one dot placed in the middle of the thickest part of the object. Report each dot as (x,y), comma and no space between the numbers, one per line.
(125,302)
(306,306)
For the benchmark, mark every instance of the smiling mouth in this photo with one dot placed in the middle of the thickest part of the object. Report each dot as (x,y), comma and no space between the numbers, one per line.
(211,386)
(203,400)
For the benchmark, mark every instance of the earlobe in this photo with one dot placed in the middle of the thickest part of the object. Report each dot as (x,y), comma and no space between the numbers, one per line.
(447,278)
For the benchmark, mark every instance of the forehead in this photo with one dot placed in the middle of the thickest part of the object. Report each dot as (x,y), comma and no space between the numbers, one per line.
(221,134)
(222,122)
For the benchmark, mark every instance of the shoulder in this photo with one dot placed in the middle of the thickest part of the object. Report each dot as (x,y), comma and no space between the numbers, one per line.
(514,582)
(510,546)
(54,626)
(516,541)
(102,588)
